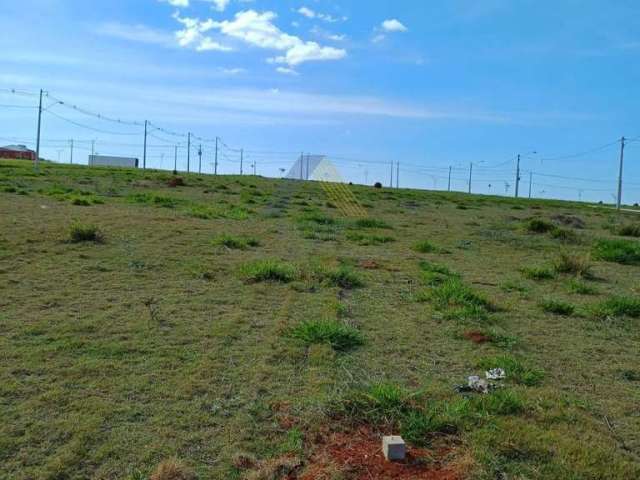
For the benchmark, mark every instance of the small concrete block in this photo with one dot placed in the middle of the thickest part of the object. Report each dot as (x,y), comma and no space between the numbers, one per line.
(394,448)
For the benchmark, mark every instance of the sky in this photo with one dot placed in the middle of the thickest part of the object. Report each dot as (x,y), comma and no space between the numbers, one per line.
(428,84)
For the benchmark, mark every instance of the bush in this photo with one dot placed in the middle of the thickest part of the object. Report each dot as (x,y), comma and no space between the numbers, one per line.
(79,233)
(579,265)
(333,332)
(515,369)
(558,308)
(537,225)
(236,243)
(269,270)
(538,273)
(626,252)
(617,307)
(629,230)
(425,246)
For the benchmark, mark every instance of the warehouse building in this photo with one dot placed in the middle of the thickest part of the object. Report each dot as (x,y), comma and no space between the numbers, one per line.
(17,152)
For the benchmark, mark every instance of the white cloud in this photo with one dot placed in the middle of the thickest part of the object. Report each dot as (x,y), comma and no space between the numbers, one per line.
(286,71)
(177,3)
(219,5)
(309,13)
(258,29)
(393,25)
(192,35)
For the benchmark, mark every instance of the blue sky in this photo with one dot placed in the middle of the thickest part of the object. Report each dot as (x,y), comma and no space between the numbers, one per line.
(427,83)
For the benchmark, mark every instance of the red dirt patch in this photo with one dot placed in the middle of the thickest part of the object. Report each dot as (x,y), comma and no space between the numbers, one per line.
(174,182)
(358,456)
(369,264)
(476,337)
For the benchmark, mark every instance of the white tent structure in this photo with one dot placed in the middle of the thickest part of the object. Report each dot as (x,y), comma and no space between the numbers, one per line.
(312,167)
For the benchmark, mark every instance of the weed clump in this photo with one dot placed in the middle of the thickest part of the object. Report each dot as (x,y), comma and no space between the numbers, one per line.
(269,271)
(458,301)
(363,223)
(629,230)
(435,274)
(581,288)
(579,265)
(516,370)
(340,336)
(79,233)
(236,243)
(369,240)
(538,273)
(626,252)
(538,225)
(172,470)
(565,235)
(616,307)
(343,277)
(425,246)
(558,307)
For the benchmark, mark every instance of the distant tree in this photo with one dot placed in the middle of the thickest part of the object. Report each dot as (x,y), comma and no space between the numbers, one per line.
(377,185)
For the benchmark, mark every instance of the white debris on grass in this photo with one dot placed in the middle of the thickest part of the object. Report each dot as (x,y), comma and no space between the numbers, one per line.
(496,374)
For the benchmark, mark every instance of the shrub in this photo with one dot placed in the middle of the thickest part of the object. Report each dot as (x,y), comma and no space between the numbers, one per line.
(626,252)
(175,182)
(425,246)
(629,230)
(579,265)
(581,288)
(370,223)
(515,369)
(236,243)
(537,225)
(79,233)
(617,307)
(81,202)
(269,270)
(333,332)
(558,308)
(538,273)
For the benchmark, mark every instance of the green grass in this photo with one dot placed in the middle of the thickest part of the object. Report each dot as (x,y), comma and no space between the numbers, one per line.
(235,242)
(581,288)
(558,307)
(364,223)
(538,225)
(617,306)
(340,336)
(572,264)
(538,273)
(626,252)
(269,270)
(157,345)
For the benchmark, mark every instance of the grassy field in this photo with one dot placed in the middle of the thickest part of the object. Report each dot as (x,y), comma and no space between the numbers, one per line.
(238,327)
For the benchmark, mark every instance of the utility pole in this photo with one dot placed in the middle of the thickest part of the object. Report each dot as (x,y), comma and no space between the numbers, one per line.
(391,184)
(175,160)
(530,183)
(38,135)
(241,160)
(144,153)
(189,152)
(93,148)
(71,156)
(308,156)
(398,175)
(254,168)
(622,142)
(518,177)
(470,175)
(215,165)
(200,159)
(449,187)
